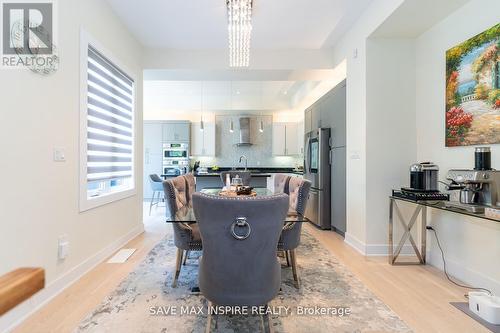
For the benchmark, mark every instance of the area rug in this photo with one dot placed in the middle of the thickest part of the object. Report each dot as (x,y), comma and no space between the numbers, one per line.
(330,299)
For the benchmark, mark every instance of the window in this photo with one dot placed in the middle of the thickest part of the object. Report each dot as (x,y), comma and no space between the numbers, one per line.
(107,129)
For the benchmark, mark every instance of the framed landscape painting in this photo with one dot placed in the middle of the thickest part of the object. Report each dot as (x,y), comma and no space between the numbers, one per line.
(473,90)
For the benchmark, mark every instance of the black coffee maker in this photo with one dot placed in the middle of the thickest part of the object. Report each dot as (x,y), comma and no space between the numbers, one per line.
(424,177)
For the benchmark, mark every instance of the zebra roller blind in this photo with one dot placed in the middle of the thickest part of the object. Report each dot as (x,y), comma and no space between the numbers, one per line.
(110,122)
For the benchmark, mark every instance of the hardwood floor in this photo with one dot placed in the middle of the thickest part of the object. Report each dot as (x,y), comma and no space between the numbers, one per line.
(64,313)
(420,295)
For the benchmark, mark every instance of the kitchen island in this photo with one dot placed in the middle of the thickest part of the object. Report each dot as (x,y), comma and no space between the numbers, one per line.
(212,179)
(261,177)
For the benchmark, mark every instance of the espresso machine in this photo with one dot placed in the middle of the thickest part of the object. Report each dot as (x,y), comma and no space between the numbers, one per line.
(478,189)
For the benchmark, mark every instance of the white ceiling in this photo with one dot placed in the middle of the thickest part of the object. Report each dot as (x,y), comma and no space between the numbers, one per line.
(202,24)
(414,17)
(224,95)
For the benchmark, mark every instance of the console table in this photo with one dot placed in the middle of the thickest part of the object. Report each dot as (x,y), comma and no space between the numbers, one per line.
(409,225)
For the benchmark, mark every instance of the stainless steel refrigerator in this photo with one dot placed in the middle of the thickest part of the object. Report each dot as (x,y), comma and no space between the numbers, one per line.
(317,170)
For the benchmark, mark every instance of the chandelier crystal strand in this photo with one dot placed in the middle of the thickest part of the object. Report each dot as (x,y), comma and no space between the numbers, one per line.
(239,13)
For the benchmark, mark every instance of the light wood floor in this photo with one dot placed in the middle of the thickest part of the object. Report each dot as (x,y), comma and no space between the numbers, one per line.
(420,295)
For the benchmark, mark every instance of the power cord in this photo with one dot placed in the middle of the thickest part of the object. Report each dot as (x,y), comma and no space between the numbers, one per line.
(446,271)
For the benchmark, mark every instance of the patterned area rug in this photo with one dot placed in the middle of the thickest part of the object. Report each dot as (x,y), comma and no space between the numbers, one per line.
(330,299)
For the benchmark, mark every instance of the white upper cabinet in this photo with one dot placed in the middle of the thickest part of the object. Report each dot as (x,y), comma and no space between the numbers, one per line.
(300,137)
(176,131)
(291,134)
(203,142)
(279,139)
(285,140)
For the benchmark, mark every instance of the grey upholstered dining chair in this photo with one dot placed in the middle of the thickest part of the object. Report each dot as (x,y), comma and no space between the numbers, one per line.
(157,187)
(190,189)
(239,266)
(245,176)
(298,192)
(281,183)
(186,236)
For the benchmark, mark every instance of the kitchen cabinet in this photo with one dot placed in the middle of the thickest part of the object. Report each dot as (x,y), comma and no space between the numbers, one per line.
(279,139)
(291,143)
(300,137)
(316,115)
(203,142)
(176,131)
(333,114)
(307,121)
(152,154)
(285,139)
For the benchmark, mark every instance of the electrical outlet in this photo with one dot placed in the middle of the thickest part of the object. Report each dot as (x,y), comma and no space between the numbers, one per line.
(355,155)
(62,247)
(59,155)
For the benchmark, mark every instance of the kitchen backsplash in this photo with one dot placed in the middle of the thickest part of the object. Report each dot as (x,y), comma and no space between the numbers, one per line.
(258,154)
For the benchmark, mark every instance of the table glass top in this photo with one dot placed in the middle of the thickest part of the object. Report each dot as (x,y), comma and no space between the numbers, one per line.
(259,190)
(442,206)
(186,214)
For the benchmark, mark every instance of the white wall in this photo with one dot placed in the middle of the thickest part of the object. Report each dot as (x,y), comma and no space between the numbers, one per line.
(217,59)
(471,245)
(39,197)
(352,47)
(390,130)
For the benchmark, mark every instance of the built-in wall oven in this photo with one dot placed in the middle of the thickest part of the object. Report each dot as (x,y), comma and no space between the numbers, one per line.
(176,150)
(175,158)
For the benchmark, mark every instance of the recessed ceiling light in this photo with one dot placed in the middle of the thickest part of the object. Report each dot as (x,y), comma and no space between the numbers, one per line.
(237,92)
(285,92)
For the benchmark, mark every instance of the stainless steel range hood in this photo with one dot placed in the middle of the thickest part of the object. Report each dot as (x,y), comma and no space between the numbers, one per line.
(244,132)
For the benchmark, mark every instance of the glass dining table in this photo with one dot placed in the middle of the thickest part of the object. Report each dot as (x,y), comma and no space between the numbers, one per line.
(186,214)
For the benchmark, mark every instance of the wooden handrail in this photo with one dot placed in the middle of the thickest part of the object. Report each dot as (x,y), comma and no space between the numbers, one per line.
(19,285)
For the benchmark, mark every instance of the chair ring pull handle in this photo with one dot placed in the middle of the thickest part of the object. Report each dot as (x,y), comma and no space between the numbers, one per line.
(240,222)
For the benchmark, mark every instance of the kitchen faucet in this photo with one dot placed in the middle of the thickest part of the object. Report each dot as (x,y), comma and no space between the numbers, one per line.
(246,161)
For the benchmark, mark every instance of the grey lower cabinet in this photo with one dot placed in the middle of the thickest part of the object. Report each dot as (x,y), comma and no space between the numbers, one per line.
(215,182)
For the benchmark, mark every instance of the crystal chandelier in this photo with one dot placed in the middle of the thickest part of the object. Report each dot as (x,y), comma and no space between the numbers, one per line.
(239,15)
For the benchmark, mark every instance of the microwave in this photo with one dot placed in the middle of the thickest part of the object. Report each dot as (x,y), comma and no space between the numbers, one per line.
(175,150)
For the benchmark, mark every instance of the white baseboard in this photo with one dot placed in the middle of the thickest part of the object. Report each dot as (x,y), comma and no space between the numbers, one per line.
(375,250)
(455,269)
(463,274)
(16,316)
(355,243)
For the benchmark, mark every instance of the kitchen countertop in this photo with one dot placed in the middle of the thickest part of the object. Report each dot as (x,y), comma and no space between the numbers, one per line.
(217,174)
(256,172)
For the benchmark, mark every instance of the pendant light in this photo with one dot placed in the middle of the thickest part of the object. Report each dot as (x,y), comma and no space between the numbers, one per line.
(202,125)
(231,124)
(261,127)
